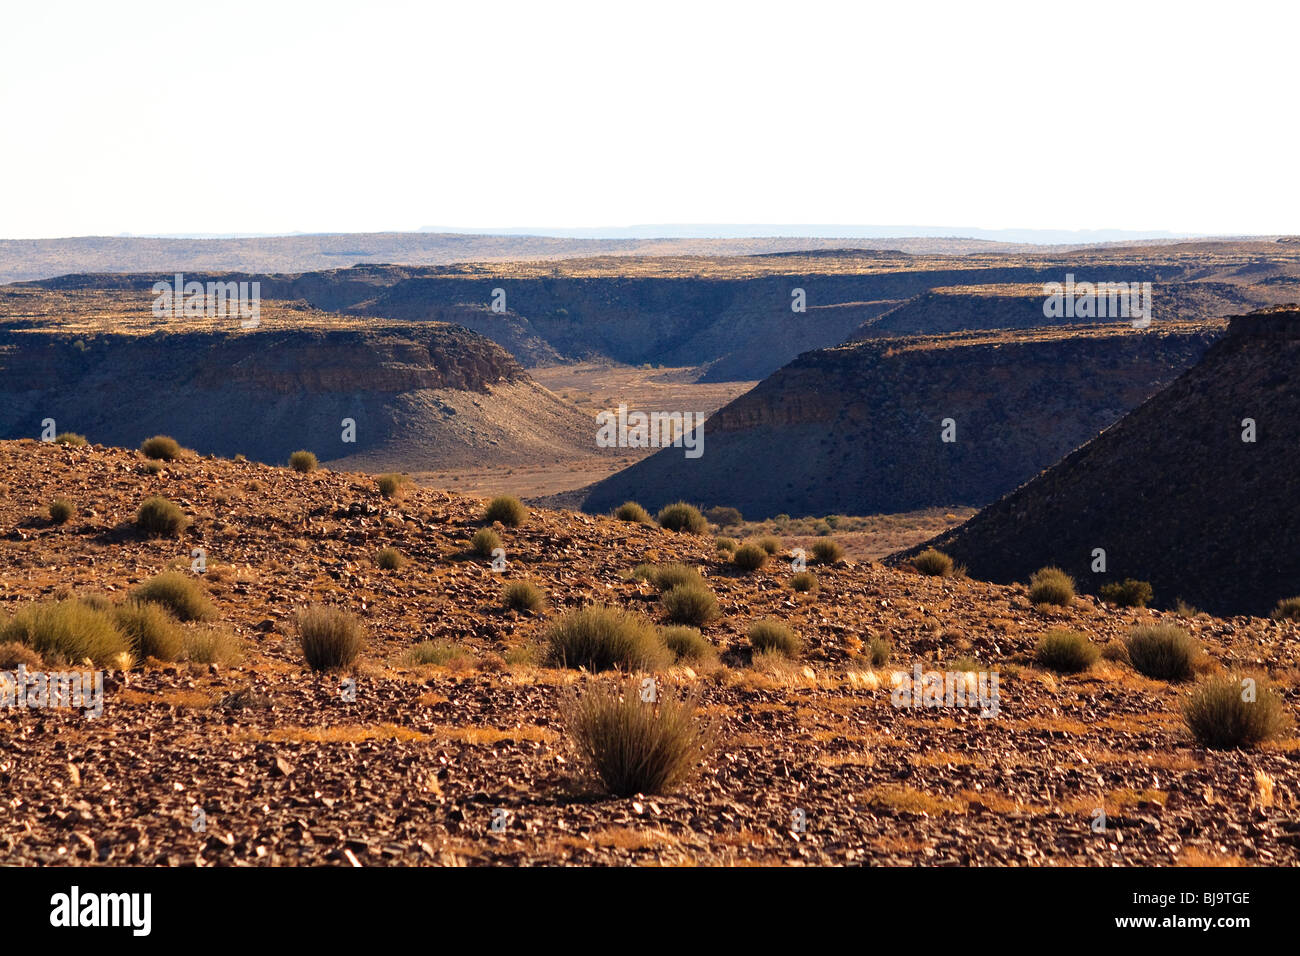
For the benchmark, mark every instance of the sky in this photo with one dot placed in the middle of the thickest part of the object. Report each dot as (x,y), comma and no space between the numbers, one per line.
(278,117)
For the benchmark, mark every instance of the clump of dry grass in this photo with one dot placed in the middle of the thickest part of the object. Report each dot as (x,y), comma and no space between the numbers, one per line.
(637,746)
(1227,712)
(441,653)
(484,542)
(391,485)
(1163,651)
(750,557)
(768,635)
(933,563)
(804,582)
(161,448)
(212,645)
(632,512)
(303,461)
(602,638)
(523,596)
(691,603)
(390,559)
(827,551)
(1051,586)
(507,509)
(67,631)
(331,639)
(179,593)
(1288,609)
(159,518)
(1127,593)
(688,644)
(1067,652)
(679,516)
(151,629)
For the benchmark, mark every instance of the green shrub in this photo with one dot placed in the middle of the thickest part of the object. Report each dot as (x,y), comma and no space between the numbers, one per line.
(507,509)
(161,448)
(679,516)
(67,631)
(159,518)
(724,517)
(827,551)
(331,639)
(390,485)
(633,512)
(934,563)
(484,542)
(805,582)
(1068,652)
(523,596)
(61,509)
(603,638)
(152,631)
(770,635)
(440,653)
(1051,586)
(1220,715)
(882,649)
(749,557)
(303,461)
(633,746)
(687,643)
(1127,593)
(690,604)
(71,439)
(179,593)
(1288,609)
(1163,651)
(390,559)
(726,544)
(212,645)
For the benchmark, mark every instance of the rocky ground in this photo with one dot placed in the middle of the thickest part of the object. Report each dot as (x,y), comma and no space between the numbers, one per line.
(814,764)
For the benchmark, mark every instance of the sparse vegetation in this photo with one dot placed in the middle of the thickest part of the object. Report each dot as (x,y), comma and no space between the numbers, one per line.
(671,575)
(61,510)
(179,593)
(1127,593)
(507,509)
(484,542)
(602,638)
(152,631)
(14,655)
(768,635)
(1051,586)
(391,485)
(724,517)
(212,645)
(71,439)
(882,649)
(633,512)
(827,551)
(523,596)
(390,559)
(769,544)
(691,603)
(633,746)
(1227,712)
(749,557)
(67,631)
(161,448)
(303,461)
(1067,652)
(804,582)
(727,545)
(679,516)
(159,518)
(687,643)
(1163,651)
(1288,609)
(331,639)
(439,653)
(933,563)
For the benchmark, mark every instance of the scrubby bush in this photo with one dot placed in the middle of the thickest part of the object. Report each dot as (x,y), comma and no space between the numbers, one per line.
(770,635)
(805,582)
(1226,712)
(159,518)
(769,544)
(749,557)
(484,542)
(523,596)
(390,559)
(727,545)
(331,638)
(61,510)
(440,653)
(882,649)
(152,631)
(1288,609)
(1163,651)
(724,517)
(71,439)
(670,575)
(161,448)
(687,643)
(1116,651)
(212,645)
(1127,593)
(679,516)
(602,638)
(1068,652)
(179,593)
(934,563)
(690,604)
(13,655)
(67,631)
(827,551)
(302,461)
(390,485)
(633,512)
(507,509)
(633,746)
(1051,586)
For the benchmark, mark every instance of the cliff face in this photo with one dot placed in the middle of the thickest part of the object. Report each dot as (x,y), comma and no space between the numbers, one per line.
(1172,492)
(423,392)
(858,429)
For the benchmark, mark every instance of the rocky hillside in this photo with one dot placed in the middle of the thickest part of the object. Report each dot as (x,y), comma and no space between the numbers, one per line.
(857,429)
(1172,492)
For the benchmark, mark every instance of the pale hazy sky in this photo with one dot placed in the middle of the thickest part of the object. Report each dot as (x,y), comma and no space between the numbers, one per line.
(272,117)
